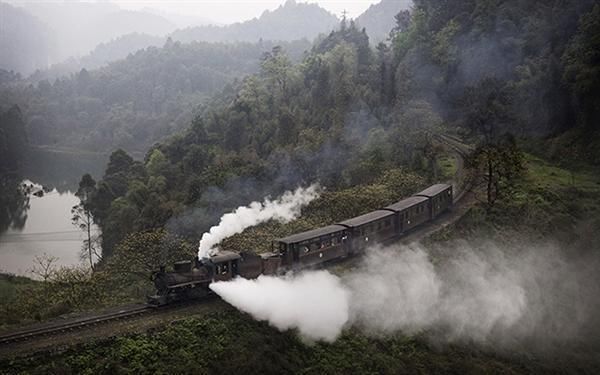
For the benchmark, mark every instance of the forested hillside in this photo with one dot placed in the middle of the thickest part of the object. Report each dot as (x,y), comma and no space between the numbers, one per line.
(347,114)
(105,53)
(134,102)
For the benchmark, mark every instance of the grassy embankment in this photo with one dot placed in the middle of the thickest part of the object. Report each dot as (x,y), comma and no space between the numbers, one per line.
(547,203)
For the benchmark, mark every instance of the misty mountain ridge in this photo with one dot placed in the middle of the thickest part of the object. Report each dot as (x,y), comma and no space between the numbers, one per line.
(378,19)
(290,21)
(25,41)
(181,20)
(81,26)
(96,45)
(104,54)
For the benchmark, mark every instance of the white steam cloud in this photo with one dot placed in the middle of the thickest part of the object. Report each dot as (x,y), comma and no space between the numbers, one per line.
(316,303)
(491,296)
(469,296)
(286,208)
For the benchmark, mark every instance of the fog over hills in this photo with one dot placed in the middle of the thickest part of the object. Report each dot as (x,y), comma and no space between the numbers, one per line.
(133,102)
(50,45)
(291,21)
(105,53)
(25,42)
(81,26)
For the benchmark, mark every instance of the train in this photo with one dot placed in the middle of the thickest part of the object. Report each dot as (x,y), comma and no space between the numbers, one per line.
(190,279)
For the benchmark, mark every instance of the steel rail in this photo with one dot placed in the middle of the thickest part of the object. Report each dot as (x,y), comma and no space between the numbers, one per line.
(72,325)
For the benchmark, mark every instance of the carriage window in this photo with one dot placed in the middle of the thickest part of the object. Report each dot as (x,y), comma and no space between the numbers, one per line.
(314,246)
(224,268)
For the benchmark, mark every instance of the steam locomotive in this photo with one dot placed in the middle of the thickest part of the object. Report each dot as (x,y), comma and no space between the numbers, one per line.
(191,279)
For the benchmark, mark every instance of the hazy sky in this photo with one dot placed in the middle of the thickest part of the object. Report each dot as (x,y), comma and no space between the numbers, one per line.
(228,11)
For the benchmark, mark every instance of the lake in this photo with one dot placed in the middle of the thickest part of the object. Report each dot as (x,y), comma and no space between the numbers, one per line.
(48,229)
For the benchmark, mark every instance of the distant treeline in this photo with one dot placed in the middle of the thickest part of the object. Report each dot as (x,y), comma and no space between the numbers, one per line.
(134,102)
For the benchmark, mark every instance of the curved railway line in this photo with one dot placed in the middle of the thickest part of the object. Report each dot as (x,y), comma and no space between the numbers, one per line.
(463,182)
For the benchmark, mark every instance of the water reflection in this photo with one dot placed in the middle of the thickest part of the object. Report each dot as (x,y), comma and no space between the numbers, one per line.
(43,227)
(14,203)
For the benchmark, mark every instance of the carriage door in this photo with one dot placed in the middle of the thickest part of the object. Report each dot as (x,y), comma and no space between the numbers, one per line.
(295,255)
(234,268)
(344,243)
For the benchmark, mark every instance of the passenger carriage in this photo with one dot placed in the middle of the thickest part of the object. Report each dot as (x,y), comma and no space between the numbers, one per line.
(313,246)
(376,226)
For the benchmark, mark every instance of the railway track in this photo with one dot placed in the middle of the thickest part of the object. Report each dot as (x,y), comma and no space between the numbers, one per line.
(76,324)
(463,181)
(54,329)
(462,185)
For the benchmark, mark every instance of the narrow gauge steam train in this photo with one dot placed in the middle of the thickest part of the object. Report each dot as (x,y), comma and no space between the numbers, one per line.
(190,279)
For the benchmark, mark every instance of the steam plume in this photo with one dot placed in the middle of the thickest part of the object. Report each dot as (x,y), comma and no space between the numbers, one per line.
(285,208)
(492,295)
(315,302)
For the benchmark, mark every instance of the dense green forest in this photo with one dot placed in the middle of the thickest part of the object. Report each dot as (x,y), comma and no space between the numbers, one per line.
(134,102)
(347,113)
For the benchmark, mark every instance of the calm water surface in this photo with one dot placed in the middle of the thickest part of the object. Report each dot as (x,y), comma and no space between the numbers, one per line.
(48,229)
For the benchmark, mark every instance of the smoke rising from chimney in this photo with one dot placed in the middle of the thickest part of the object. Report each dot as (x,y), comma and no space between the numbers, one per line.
(286,208)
